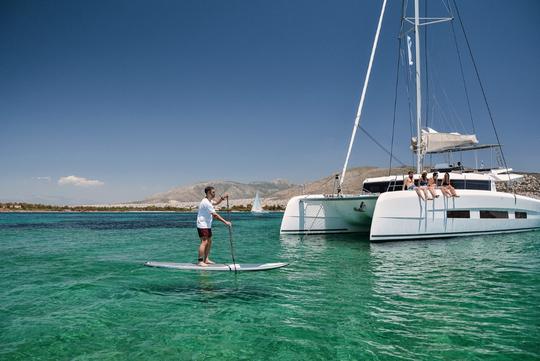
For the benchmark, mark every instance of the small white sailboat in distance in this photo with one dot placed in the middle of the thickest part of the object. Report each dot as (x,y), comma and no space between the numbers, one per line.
(257,205)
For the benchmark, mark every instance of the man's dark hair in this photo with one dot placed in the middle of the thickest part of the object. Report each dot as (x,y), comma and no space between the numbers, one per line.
(208,189)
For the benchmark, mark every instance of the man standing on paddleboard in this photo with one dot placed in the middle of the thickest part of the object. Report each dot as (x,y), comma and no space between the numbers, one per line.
(204,223)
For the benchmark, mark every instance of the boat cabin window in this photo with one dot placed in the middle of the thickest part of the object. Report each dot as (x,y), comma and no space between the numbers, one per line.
(522,215)
(381,187)
(493,214)
(482,185)
(458,214)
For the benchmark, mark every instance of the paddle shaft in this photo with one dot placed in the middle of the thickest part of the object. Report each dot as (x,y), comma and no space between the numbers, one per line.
(230,235)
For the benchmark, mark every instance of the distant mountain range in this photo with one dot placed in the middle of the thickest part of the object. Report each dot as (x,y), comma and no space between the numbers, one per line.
(276,192)
(236,190)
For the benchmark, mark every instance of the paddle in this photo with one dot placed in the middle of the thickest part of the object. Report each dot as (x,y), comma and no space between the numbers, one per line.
(230,234)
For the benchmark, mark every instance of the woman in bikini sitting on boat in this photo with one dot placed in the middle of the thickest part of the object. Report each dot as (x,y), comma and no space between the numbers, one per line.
(423,185)
(432,185)
(447,189)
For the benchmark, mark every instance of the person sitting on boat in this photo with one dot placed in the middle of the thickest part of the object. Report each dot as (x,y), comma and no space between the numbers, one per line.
(447,189)
(423,185)
(204,223)
(409,185)
(432,185)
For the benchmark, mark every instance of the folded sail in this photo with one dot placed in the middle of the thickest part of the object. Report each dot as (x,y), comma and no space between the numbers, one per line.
(434,142)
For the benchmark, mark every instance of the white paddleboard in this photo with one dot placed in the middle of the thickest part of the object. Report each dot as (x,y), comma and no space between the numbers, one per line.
(218,266)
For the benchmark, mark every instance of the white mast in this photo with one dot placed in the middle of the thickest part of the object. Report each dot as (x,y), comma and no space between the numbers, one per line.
(361,105)
(416,22)
(418,89)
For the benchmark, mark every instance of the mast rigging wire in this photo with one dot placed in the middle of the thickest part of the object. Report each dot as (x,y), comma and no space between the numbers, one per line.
(381,146)
(364,89)
(426,65)
(395,96)
(463,77)
(484,96)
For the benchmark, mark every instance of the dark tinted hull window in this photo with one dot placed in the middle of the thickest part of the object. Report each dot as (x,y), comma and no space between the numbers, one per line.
(458,214)
(471,184)
(493,214)
(381,187)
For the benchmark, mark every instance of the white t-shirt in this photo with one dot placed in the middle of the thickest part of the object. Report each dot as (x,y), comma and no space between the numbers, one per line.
(204,216)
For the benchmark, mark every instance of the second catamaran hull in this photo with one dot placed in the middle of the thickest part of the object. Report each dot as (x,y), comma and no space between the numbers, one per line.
(403,215)
(320,214)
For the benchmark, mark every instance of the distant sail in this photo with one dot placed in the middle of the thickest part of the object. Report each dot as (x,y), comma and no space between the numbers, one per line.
(257,206)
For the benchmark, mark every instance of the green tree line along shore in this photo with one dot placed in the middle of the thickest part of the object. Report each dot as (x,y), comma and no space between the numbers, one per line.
(31,207)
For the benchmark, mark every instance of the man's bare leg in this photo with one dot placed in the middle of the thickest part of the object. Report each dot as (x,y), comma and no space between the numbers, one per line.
(207,252)
(202,252)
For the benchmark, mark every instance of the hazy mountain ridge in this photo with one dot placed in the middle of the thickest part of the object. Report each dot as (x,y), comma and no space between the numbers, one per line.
(278,192)
(354,179)
(236,190)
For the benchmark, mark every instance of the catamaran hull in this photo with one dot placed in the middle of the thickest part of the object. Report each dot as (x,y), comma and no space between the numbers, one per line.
(403,215)
(319,214)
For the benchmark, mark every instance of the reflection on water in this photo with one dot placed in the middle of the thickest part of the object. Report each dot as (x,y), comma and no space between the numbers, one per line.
(208,291)
(75,285)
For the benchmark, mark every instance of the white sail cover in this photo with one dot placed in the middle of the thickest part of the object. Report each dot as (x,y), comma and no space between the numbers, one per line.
(434,142)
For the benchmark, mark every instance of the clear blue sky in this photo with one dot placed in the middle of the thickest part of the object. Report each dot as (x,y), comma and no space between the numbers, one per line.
(142,96)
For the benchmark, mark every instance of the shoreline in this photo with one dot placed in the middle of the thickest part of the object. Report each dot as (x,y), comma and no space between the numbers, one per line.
(4,211)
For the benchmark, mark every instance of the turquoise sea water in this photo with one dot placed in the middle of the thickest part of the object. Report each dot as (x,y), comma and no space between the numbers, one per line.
(73,287)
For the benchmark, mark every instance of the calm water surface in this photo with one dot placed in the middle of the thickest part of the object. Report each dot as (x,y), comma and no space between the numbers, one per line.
(73,287)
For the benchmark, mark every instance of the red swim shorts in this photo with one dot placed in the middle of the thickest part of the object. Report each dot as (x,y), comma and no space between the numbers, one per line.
(205,232)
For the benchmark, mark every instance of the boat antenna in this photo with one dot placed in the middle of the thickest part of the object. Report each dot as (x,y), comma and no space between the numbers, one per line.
(363,96)
(230,235)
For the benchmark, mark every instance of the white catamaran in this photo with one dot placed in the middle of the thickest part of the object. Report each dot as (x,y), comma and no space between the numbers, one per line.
(387,212)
